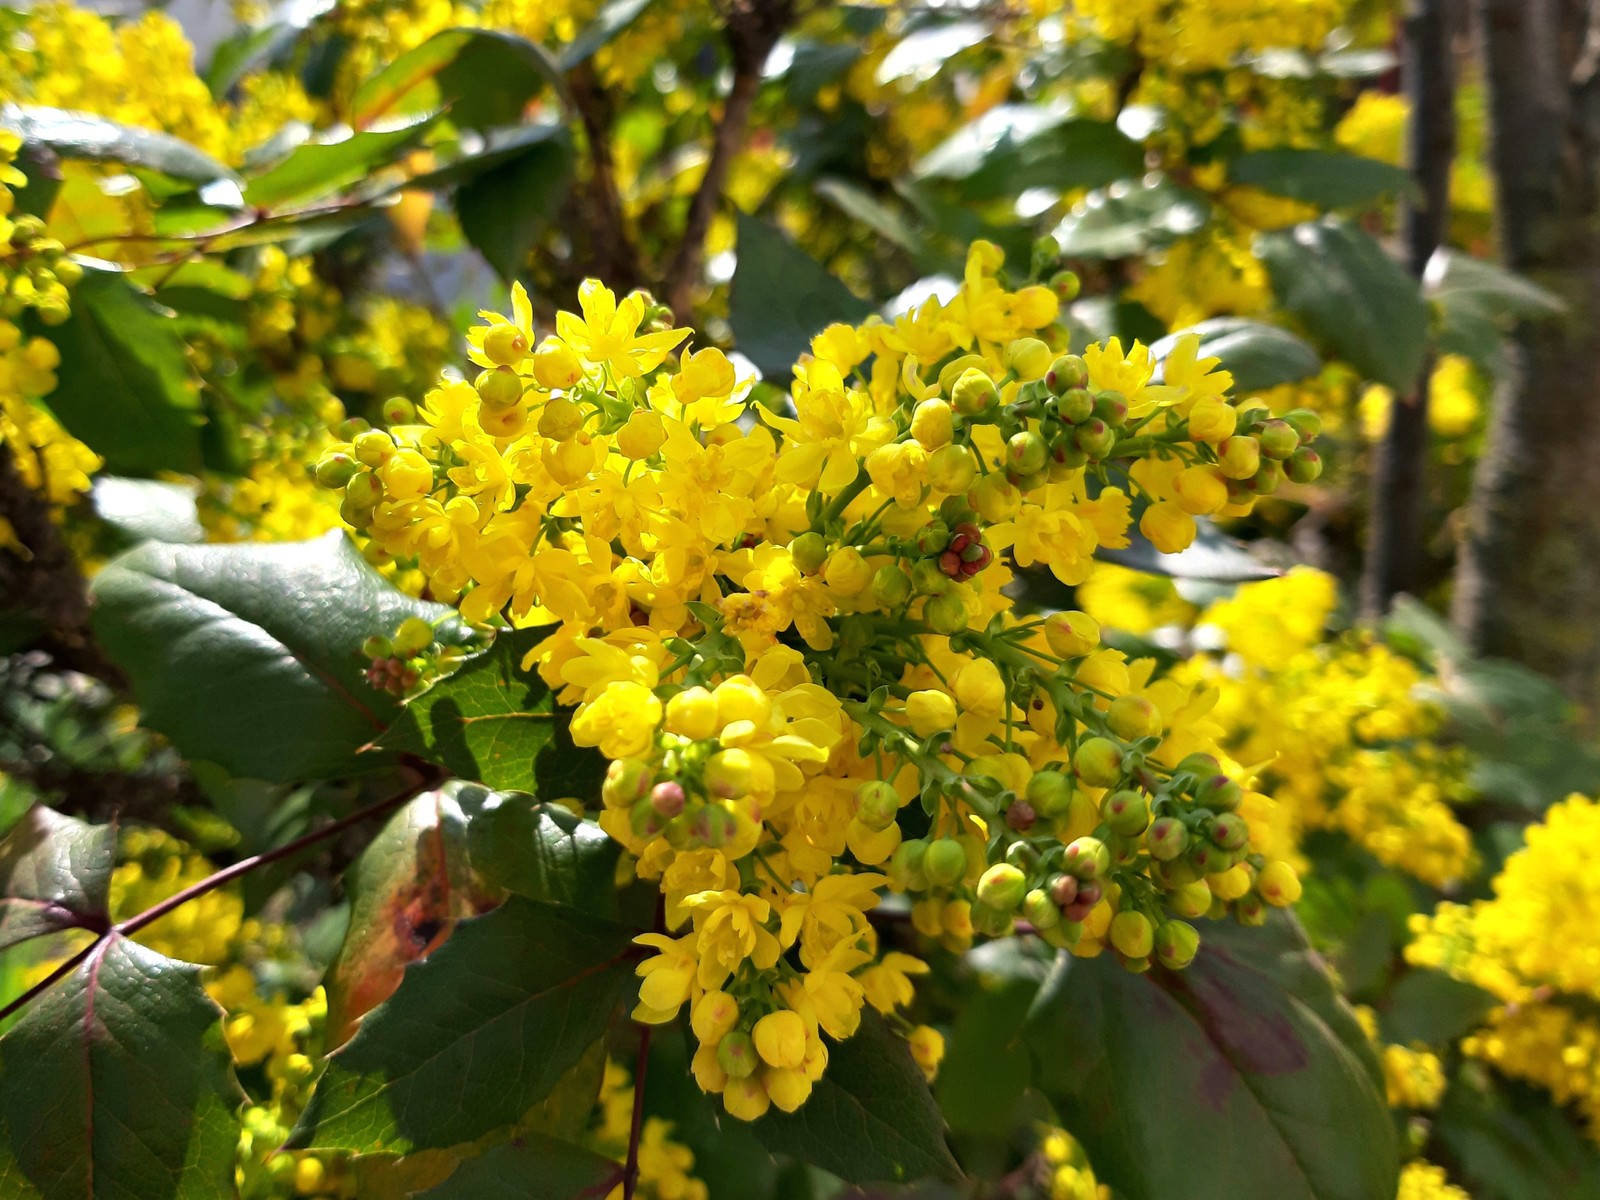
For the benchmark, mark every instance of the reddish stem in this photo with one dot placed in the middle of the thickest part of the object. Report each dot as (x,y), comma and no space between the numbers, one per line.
(630,1172)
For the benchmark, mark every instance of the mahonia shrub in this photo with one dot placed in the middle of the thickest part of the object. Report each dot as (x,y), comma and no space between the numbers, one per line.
(785,623)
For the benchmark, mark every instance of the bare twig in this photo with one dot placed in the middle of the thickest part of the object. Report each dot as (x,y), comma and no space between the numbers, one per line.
(630,1170)
(613,256)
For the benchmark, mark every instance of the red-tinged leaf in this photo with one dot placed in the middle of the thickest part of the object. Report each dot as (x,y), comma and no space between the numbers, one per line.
(55,873)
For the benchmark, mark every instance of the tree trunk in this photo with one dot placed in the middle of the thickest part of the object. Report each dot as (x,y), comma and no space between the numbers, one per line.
(1528,585)
(1395,561)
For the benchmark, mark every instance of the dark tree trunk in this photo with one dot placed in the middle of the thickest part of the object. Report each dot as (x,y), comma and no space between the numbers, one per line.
(1528,586)
(1394,559)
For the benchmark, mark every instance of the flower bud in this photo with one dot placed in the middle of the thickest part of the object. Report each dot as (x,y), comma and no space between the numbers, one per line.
(1075,405)
(556,364)
(1133,717)
(1098,762)
(335,469)
(996,498)
(877,804)
(413,637)
(1304,465)
(645,820)
(945,614)
(1201,490)
(1002,887)
(1176,944)
(1050,793)
(729,772)
(891,586)
(1072,634)
(945,862)
(1065,284)
(1191,900)
(1086,858)
(1026,453)
(373,447)
(1278,884)
(1020,817)
(974,392)
(780,1039)
(1127,812)
(504,345)
(905,866)
(809,551)
(692,713)
(1166,839)
(1168,527)
(642,435)
(1028,357)
(1132,934)
(667,798)
(1212,420)
(1230,832)
(736,1054)
(929,712)
(1305,423)
(498,387)
(1268,477)
(847,572)
(1095,438)
(952,469)
(713,1016)
(626,780)
(561,419)
(1278,439)
(1218,792)
(1112,408)
(1239,457)
(932,424)
(1066,373)
(1039,910)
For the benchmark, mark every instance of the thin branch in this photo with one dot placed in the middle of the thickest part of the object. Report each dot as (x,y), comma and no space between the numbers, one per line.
(613,256)
(426,775)
(630,1170)
(753,28)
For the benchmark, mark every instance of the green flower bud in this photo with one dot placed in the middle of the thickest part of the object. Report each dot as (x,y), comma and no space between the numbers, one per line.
(929,579)
(499,387)
(1098,762)
(1087,859)
(952,469)
(1304,465)
(1231,832)
(1219,793)
(1039,910)
(373,448)
(932,538)
(377,646)
(561,419)
(974,392)
(1132,934)
(504,345)
(891,586)
(364,490)
(1305,423)
(990,922)
(413,637)
(1278,439)
(945,862)
(945,614)
(1127,812)
(809,551)
(1176,944)
(1002,887)
(335,469)
(1112,408)
(1066,285)
(397,410)
(1026,453)
(626,780)
(736,1054)
(877,804)
(1095,438)
(1050,793)
(1268,478)
(1166,839)
(905,868)
(1075,405)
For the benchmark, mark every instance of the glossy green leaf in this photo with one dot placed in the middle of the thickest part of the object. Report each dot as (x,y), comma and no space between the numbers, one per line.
(885,220)
(1130,219)
(477,1033)
(55,874)
(1508,1141)
(408,889)
(531,1168)
(1324,178)
(1432,1008)
(1014,147)
(1347,292)
(1219,1081)
(96,139)
(316,169)
(1258,355)
(1454,278)
(544,852)
(477,154)
(494,723)
(116,1084)
(782,298)
(924,51)
(125,386)
(870,1119)
(148,509)
(504,210)
(241,52)
(248,655)
(484,78)
(986,1068)
(613,18)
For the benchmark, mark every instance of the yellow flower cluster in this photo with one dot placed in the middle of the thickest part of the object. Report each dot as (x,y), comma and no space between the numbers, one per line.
(1071,1177)
(1413,1077)
(786,627)
(1338,730)
(1424,1181)
(1204,275)
(1133,601)
(1208,35)
(665,1165)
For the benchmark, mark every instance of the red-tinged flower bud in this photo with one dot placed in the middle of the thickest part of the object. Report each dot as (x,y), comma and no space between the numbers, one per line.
(1305,423)
(877,804)
(1111,407)
(736,1054)
(1075,405)
(1002,887)
(1231,832)
(1064,890)
(1167,838)
(1066,373)
(1219,793)
(1304,465)
(1095,438)
(1020,816)
(667,798)
(1278,439)
(1127,812)
(1098,762)
(1039,910)
(1026,453)
(1088,858)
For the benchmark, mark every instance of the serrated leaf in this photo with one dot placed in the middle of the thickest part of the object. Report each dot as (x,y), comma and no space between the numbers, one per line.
(93,138)
(55,874)
(781,298)
(125,387)
(533,1167)
(315,169)
(1251,1045)
(408,889)
(1324,178)
(613,18)
(116,1083)
(238,54)
(1130,219)
(248,655)
(476,1034)
(1351,296)
(147,509)
(496,724)
(1017,146)
(870,1119)
(1259,356)
(503,211)
(544,852)
(484,78)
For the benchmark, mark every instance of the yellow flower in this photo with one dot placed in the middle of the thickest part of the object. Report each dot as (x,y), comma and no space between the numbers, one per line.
(608,332)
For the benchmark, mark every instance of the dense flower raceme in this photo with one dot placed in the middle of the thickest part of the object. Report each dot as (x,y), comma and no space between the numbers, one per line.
(1531,944)
(789,635)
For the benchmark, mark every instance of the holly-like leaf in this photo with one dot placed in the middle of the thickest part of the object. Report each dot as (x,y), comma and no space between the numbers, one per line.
(781,298)
(870,1119)
(1351,296)
(1325,178)
(241,52)
(532,1167)
(496,724)
(1130,218)
(148,509)
(1219,1081)
(115,1083)
(248,656)
(544,852)
(314,169)
(125,387)
(477,1033)
(484,78)
(79,135)
(1013,147)
(55,874)
(1259,356)
(504,210)
(408,889)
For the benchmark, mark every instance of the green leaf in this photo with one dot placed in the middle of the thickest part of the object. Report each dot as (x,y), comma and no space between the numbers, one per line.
(1213,557)
(986,1068)
(408,889)
(925,50)
(238,54)
(125,387)
(1325,178)
(533,1167)
(544,852)
(95,139)
(1258,355)
(1508,1141)
(614,17)
(314,169)
(1351,296)
(503,211)
(148,509)
(1219,1081)
(496,724)
(483,77)
(1129,219)
(478,1032)
(248,656)
(55,874)
(116,1083)
(887,222)
(1432,1008)
(1019,146)
(1453,278)
(781,298)
(870,1119)
(479,154)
